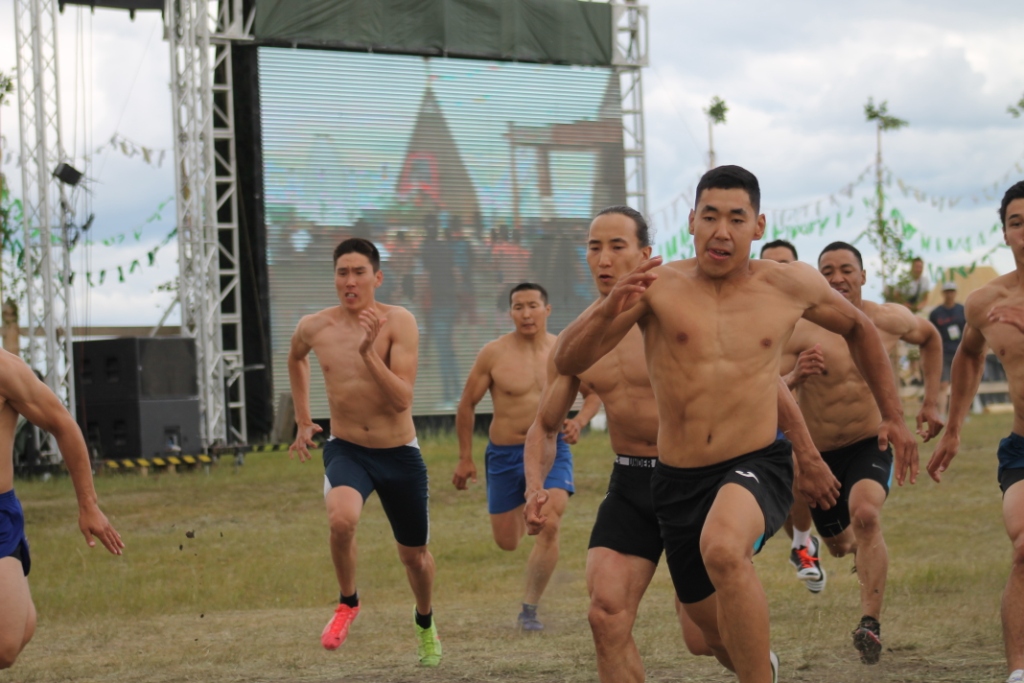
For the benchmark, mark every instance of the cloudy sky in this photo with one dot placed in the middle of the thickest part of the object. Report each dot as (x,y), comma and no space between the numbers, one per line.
(795,76)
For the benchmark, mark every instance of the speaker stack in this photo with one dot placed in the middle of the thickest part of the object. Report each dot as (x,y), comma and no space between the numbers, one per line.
(138,396)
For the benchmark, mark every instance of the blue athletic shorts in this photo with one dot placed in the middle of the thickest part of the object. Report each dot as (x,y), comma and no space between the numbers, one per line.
(1011,461)
(398,475)
(12,530)
(506,478)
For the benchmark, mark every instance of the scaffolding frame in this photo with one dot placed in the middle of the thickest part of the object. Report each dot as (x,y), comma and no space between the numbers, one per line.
(630,41)
(200,34)
(47,213)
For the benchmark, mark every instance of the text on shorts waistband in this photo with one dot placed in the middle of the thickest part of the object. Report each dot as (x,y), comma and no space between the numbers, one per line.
(635,461)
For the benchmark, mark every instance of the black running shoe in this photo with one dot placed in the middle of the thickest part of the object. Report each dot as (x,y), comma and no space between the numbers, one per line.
(867,638)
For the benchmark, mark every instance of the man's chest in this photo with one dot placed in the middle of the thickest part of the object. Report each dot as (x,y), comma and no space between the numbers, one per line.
(515,375)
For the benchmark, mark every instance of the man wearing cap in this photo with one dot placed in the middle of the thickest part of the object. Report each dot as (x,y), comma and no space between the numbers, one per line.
(950,320)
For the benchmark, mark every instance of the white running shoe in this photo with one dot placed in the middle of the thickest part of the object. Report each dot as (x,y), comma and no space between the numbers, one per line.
(808,565)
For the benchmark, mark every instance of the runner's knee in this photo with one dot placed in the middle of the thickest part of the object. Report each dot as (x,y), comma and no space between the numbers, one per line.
(415,559)
(866,518)
(507,543)
(721,556)
(608,620)
(343,527)
(1018,553)
(9,651)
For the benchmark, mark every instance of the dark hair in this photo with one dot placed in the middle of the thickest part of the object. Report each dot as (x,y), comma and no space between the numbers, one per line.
(528,287)
(357,245)
(643,232)
(780,243)
(838,246)
(730,178)
(917,258)
(1016,191)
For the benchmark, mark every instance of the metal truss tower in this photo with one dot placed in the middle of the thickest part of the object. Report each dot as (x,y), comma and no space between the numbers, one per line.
(46,210)
(629,23)
(200,33)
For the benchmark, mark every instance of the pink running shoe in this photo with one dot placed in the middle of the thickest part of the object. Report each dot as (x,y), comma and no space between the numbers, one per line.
(337,628)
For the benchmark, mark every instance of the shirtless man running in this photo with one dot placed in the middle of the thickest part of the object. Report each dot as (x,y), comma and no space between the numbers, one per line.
(21,393)
(626,545)
(995,317)
(368,353)
(804,552)
(843,419)
(714,328)
(512,368)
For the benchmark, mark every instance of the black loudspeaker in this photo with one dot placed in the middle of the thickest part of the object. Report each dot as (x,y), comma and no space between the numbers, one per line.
(138,397)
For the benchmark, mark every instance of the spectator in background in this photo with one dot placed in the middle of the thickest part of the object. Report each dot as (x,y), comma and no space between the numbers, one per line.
(442,307)
(949,318)
(462,255)
(914,292)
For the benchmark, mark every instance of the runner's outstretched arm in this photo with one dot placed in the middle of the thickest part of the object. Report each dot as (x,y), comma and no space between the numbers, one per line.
(40,406)
(606,322)
(813,477)
(298,377)
(965,378)
(541,442)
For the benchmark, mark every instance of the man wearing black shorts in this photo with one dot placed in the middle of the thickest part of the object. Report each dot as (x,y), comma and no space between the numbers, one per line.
(373,444)
(995,318)
(714,328)
(625,545)
(843,418)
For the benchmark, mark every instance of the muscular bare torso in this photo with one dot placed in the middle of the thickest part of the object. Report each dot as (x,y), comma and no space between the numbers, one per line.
(518,371)
(621,381)
(838,405)
(8,423)
(713,350)
(360,413)
(1005,340)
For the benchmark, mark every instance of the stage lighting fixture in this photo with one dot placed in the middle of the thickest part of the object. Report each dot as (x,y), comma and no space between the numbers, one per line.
(67,174)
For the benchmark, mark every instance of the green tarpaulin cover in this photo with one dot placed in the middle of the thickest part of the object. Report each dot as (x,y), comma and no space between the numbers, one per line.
(548,31)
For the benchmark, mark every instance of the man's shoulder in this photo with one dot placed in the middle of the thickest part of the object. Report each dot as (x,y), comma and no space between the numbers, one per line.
(988,294)
(889,317)
(786,276)
(395,311)
(12,372)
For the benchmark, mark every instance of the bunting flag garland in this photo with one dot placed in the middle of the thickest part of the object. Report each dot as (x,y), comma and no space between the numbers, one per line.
(117,143)
(14,247)
(990,193)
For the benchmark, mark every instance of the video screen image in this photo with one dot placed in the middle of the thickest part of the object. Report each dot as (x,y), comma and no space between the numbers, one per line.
(470,177)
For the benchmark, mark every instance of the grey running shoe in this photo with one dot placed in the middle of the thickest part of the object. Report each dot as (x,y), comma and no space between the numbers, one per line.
(867,638)
(774,659)
(528,620)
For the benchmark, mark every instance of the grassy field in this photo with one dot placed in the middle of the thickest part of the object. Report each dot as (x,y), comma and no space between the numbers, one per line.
(245,595)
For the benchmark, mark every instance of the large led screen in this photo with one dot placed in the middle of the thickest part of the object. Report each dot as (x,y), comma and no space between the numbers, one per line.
(469,176)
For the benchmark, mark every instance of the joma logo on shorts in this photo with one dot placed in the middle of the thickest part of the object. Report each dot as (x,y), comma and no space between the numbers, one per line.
(751,475)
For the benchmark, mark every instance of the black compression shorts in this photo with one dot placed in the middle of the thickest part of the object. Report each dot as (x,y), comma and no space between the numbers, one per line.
(683,498)
(858,461)
(626,522)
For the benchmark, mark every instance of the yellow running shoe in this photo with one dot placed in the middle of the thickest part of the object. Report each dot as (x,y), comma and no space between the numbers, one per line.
(429,648)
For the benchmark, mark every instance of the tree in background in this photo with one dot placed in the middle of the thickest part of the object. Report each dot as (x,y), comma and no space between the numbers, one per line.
(716,116)
(9,309)
(1017,110)
(883,233)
